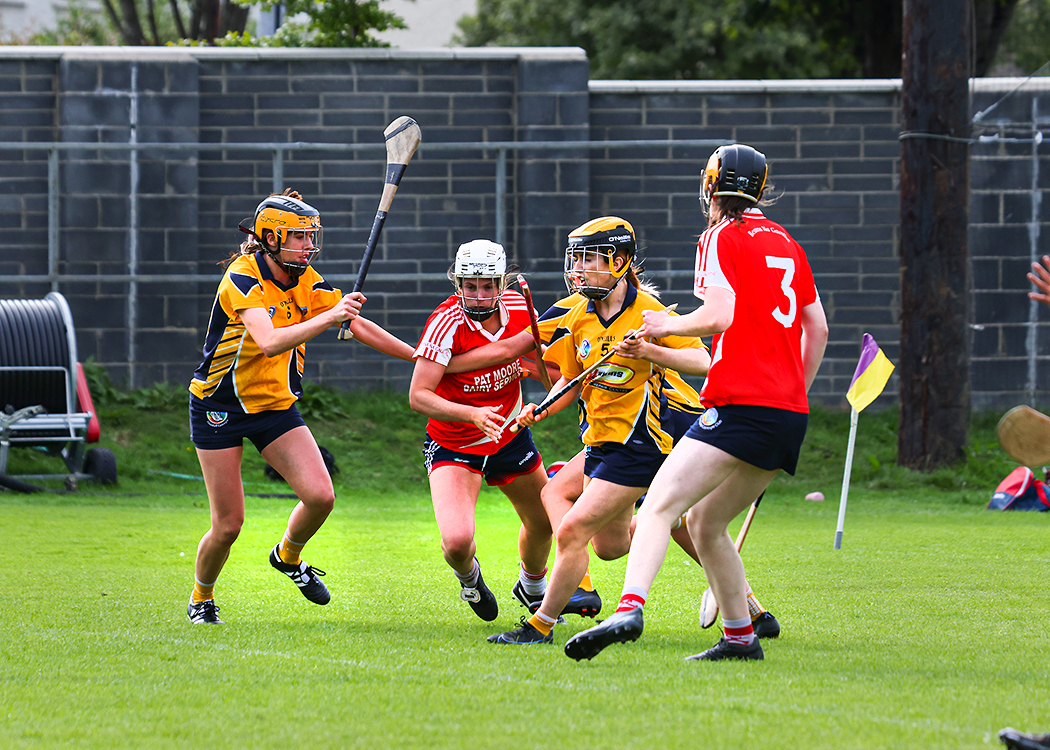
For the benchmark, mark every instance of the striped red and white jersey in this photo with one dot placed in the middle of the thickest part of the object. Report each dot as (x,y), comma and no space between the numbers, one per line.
(449,332)
(757,361)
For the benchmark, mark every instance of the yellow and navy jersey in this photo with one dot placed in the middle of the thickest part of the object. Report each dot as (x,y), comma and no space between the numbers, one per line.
(235,374)
(682,398)
(625,400)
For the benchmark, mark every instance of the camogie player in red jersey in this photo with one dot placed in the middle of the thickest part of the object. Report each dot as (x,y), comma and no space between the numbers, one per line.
(467,438)
(762,308)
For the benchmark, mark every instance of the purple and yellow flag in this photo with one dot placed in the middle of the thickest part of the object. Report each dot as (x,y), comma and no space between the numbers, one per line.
(872,374)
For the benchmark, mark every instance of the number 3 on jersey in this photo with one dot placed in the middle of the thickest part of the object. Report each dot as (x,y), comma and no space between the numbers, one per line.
(787,265)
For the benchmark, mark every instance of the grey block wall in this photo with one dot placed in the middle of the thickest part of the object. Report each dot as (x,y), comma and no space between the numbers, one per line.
(27,115)
(833,154)
(137,235)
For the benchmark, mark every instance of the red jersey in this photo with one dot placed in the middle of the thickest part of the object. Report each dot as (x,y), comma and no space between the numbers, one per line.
(449,332)
(757,361)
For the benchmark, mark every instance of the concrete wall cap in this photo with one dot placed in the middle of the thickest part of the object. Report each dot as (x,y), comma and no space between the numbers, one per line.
(294,53)
(796,86)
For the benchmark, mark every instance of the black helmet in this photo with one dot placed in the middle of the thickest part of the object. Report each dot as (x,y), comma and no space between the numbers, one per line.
(737,170)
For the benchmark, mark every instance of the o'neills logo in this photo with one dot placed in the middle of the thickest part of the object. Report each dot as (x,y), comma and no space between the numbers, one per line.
(217,418)
(709,419)
(620,238)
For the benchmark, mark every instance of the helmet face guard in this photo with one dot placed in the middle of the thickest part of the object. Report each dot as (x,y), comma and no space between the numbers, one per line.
(736,170)
(304,238)
(590,258)
(289,219)
(480,277)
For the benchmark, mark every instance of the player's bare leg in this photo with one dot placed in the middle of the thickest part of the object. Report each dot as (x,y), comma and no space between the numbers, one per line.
(690,471)
(222,478)
(600,504)
(296,457)
(454,491)
(559,495)
(535,536)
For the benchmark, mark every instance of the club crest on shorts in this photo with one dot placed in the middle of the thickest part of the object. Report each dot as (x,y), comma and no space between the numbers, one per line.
(585,349)
(217,418)
(709,419)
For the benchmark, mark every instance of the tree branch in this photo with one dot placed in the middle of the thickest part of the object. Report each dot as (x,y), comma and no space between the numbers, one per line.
(153,22)
(133,26)
(179,25)
(117,23)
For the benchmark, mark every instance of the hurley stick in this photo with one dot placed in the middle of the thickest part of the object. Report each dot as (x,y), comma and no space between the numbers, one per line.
(402,139)
(545,377)
(553,397)
(708,605)
(1024,434)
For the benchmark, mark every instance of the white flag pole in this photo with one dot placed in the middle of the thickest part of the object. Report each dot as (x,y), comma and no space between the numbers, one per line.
(845,476)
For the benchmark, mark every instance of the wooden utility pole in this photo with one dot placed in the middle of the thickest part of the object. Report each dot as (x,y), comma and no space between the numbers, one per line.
(935,279)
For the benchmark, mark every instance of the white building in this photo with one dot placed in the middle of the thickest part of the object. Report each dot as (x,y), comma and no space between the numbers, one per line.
(431,23)
(20,18)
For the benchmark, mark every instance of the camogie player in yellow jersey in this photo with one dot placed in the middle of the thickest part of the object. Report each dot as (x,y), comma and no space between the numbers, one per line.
(625,422)
(566,486)
(270,302)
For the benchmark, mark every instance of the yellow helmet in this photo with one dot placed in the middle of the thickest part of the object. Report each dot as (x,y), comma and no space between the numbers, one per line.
(736,170)
(602,237)
(282,214)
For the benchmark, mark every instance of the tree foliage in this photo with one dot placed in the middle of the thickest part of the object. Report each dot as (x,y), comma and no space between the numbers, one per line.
(152,22)
(311,23)
(1024,49)
(693,39)
(79,26)
(331,23)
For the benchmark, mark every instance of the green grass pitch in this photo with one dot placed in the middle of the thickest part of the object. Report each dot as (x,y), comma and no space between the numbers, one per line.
(926,630)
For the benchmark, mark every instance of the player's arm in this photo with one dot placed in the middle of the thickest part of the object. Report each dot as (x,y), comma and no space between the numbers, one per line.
(274,341)
(526,418)
(691,360)
(814,339)
(714,316)
(374,335)
(531,369)
(497,353)
(423,398)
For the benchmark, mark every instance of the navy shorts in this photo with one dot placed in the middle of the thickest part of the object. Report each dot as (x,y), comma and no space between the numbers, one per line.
(622,465)
(515,459)
(760,435)
(214,430)
(682,420)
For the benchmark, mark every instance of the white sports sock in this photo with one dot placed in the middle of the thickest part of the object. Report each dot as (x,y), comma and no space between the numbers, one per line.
(470,581)
(533,586)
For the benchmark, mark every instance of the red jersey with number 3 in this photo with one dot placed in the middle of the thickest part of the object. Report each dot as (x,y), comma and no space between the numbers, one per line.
(449,332)
(757,361)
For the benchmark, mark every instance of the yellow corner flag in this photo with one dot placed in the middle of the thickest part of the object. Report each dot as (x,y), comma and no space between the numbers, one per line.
(872,374)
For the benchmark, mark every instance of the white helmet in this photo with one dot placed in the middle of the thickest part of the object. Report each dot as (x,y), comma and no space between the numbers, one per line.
(479,261)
